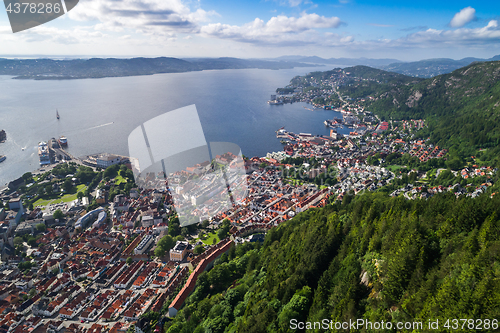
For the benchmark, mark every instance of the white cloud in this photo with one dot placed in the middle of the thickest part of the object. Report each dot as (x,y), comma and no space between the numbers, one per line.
(347,39)
(48,34)
(463,36)
(484,38)
(5,30)
(463,17)
(278,29)
(157,17)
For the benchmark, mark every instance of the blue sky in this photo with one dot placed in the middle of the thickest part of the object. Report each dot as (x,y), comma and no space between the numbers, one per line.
(267,28)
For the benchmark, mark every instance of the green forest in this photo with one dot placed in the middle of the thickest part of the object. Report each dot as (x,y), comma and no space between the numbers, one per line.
(367,257)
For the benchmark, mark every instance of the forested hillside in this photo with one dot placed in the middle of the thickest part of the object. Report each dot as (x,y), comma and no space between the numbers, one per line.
(462,108)
(370,256)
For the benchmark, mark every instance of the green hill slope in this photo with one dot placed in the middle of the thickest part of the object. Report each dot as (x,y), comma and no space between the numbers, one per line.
(370,257)
(462,107)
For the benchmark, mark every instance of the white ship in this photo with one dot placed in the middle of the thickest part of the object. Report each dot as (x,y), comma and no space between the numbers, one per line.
(43,153)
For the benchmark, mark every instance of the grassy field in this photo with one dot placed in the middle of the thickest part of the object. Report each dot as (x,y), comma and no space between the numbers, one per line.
(210,238)
(394,168)
(54,199)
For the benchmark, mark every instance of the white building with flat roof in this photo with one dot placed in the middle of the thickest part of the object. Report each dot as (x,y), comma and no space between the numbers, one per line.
(144,245)
(106,160)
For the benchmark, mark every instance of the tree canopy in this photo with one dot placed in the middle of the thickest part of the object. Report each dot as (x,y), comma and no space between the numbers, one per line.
(164,245)
(368,257)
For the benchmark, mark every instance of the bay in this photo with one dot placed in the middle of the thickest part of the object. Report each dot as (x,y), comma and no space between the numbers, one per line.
(97,115)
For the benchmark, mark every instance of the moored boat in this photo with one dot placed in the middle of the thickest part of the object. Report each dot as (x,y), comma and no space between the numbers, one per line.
(63,141)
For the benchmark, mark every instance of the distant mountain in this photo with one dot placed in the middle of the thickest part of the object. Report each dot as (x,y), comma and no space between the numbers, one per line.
(48,69)
(423,68)
(348,61)
(237,63)
(432,67)
(287,58)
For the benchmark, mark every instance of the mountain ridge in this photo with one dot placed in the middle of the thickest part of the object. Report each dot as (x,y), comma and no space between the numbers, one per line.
(48,69)
(424,68)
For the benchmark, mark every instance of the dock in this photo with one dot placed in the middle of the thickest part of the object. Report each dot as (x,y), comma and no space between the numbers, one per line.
(57,152)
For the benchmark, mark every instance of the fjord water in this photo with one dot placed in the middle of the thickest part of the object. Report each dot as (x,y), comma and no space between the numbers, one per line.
(97,115)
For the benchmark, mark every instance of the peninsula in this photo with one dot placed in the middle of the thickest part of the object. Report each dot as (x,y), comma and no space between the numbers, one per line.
(49,69)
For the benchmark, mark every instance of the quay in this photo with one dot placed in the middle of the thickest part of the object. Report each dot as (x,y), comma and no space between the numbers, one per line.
(57,152)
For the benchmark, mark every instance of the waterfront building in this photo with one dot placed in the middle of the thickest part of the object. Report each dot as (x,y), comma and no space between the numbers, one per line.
(106,160)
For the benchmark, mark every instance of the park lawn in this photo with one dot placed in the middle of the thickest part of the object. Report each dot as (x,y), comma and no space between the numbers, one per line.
(64,198)
(119,179)
(42,202)
(210,239)
(393,168)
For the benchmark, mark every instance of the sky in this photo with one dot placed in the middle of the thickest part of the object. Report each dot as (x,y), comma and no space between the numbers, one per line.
(403,30)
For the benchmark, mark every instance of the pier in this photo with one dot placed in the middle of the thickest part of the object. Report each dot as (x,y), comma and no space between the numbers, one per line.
(57,152)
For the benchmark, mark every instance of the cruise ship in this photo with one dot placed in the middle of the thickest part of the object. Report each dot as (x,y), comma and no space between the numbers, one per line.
(63,141)
(43,153)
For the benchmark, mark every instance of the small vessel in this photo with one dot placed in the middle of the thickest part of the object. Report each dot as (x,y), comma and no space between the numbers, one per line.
(2,158)
(63,141)
(333,123)
(57,114)
(275,102)
(43,153)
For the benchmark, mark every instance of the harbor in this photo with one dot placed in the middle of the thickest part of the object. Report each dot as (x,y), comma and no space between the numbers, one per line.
(283,134)
(53,151)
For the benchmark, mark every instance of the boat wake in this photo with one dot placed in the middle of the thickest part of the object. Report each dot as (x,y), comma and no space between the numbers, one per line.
(11,140)
(107,124)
